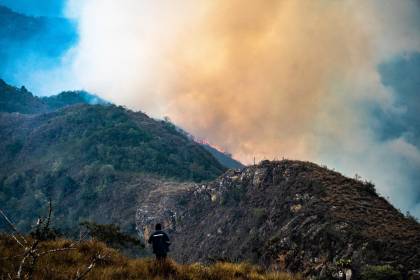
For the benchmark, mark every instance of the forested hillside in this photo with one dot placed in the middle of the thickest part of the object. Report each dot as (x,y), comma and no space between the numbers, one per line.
(90,159)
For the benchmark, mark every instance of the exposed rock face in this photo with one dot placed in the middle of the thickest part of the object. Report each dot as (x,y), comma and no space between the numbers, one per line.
(160,206)
(288,215)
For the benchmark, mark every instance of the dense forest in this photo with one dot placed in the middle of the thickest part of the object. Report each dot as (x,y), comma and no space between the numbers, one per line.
(78,154)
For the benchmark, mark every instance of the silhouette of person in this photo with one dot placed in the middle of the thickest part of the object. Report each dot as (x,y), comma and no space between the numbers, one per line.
(160,242)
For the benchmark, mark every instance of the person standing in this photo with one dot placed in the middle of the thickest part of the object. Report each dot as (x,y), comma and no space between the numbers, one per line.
(160,243)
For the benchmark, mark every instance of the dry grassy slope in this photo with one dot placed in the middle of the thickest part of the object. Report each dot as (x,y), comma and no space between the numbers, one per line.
(66,264)
(291,215)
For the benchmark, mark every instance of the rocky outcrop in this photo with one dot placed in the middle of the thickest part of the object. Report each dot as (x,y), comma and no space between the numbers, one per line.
(287,215)
(160,206)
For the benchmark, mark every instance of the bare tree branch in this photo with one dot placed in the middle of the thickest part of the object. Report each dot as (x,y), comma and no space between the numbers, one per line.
(12,226)
(56,250)
(47,225)
(95,259)
(13,257)
(87,270)
(31,252)
(22,262)
(17,241)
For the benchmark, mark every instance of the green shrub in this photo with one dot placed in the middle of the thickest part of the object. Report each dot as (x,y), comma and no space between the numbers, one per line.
(380,272)
(111,235)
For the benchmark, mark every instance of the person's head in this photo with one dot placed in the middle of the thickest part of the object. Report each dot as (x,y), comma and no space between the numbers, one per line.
(158,227)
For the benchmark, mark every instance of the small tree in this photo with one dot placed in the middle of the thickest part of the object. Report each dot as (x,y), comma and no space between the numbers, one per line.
(111,235)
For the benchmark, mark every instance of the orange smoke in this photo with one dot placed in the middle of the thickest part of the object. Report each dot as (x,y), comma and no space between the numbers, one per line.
(263,78)
(255,76)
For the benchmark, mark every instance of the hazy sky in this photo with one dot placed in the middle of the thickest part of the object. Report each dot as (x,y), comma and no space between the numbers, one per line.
(335,82)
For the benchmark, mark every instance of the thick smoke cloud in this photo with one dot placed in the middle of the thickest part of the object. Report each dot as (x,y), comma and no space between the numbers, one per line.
(264,79)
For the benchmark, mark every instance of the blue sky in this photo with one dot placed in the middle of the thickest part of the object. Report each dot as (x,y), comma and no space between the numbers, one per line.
(32,47)
(36,7)
(402,75)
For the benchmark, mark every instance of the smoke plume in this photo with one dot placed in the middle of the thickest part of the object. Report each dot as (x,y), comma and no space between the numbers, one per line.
(264,79)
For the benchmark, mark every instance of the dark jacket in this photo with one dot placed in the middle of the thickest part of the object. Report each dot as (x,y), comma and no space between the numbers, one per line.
(160,241)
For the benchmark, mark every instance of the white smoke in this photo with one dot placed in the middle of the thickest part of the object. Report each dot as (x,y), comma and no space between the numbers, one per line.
(260,78)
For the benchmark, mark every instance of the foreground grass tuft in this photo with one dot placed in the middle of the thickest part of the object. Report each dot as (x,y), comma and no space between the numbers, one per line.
(112,265)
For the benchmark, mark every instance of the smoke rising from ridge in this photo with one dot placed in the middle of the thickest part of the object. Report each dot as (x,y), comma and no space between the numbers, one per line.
(264,79)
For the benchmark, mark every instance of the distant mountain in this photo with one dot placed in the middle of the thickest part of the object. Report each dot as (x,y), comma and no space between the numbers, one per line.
(20,100)
(27,42)
(49,8)
(223,158)
(67,98)
(48,36)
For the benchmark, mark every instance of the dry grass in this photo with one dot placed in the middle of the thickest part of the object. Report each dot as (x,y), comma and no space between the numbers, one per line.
(67,264)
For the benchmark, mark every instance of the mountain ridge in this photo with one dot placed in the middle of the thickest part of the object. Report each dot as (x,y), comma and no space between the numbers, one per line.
(286,215)
(20,100)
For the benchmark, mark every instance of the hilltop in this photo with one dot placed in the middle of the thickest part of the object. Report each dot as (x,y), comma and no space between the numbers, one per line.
(288,215)
(20,100)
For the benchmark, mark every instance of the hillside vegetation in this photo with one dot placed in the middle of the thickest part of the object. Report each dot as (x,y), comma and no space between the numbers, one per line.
(95,162)
(113,265)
